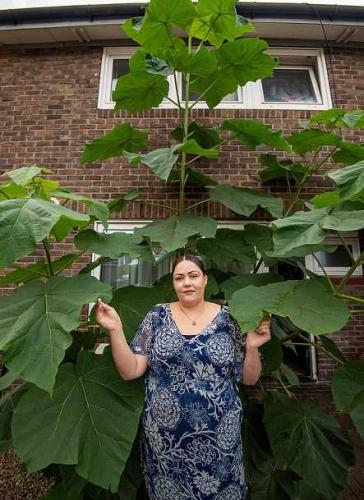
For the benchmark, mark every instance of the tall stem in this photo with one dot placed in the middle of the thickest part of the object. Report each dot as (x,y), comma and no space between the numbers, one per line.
(48,255)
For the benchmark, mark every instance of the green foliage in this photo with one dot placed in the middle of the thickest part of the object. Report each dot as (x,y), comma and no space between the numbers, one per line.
(92,410)
(306,440)
(36,321)
(307,303)
(348,391)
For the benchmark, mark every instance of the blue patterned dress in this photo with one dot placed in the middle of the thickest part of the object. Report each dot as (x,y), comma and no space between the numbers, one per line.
(191,444)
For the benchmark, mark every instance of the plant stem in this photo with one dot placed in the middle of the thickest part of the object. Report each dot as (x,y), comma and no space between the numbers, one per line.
(289,336)
(350,297)
(196,204)
(172,101)
(48,255)
(332,286)
(176,88)
(159,205)
(346,246)
(321,348)
(289,393)
(350,272)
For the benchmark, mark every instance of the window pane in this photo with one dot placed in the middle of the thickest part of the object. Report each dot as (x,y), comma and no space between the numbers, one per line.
(126,271)
(120,67)
(339,258)
(289,85)
(229,97)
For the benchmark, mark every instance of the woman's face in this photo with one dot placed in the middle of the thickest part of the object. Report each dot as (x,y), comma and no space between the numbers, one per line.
(189,282)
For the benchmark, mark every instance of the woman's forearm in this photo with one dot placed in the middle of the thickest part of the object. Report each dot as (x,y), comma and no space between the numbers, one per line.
(124,358)
(252,366)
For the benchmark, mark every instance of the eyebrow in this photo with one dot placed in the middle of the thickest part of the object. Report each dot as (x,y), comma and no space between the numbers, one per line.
(189,272)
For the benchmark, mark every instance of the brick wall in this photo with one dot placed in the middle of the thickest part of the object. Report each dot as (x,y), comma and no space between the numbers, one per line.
(48,106)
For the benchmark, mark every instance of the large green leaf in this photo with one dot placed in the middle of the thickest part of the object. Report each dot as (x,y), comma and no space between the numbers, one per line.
(349,180)
(123,137)
(240,281)
(337,117)
(12,190)
(112,245)
(245,61)
(217,21)
(21,176)
(193,148)
(311,140)
(310,228)
(118,204)
(173,233)
(155,29)
(280,169)
(214,87)
(307,303)
(332,348)
(93,411)
(140,90)
(161,161)
(25,222)
(198,178)
(310,442)
(348,392)
(227,246)
(35,321)
(133,302)
(201,62)
(206,137)
(98,209)
(272,355)
(254,133)
(245,201)
(349,153)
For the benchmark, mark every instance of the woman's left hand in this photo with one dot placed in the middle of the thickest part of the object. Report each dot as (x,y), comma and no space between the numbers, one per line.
(260,335)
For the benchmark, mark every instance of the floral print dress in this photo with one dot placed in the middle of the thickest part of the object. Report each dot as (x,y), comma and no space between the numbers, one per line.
(191,444)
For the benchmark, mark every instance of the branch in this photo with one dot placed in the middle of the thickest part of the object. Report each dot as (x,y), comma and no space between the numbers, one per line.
(48,255)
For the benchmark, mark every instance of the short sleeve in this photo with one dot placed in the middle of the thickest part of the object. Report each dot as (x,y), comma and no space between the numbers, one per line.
(142,342)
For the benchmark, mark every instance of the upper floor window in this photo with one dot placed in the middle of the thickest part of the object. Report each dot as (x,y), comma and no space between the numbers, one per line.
(300,82)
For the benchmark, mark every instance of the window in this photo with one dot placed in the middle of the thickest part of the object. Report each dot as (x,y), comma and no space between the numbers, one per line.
(338,262)
(300,82)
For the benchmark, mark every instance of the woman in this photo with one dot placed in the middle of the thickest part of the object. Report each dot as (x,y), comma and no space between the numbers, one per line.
(195,355)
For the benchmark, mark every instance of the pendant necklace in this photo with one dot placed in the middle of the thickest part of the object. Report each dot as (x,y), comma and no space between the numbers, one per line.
(193,321)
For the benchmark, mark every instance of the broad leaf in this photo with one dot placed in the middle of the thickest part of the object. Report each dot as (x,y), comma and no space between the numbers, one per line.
(349,180)
(21,176)
(92,410)
(155,29)
(217,21)
(112,245)
(332,348)
(312,140)
(307,303)
(161,161)
(336,117)
(280,169)
(140,90)
(123,137)
(240,281)
(290,374)
(133,302)
(173,233)
(198,178)
(118,204)
(310,228)
(35,321)
(192,147)
(206,137)
(214,87)
(349,153)
(308,441)
(227,246)
(201,62)
(98,210)
(11,190)
(245,201)
(272,355)
(25,222)
(245,60)
(348,392)
(254,133)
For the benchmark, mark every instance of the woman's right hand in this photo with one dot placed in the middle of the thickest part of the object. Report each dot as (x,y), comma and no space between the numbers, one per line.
(107,317)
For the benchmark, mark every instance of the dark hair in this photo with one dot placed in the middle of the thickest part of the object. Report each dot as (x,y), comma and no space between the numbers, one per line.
(191,257)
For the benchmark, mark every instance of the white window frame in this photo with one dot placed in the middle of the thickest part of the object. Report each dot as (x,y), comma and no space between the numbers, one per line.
(352,239)
(250,96)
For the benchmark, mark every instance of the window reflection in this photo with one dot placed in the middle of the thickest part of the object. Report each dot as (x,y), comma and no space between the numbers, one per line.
(289,85)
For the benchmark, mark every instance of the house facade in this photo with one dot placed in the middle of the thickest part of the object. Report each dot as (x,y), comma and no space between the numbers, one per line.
(59,62)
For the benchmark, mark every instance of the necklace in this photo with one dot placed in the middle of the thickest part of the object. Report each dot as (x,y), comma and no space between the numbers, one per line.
(193,321)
